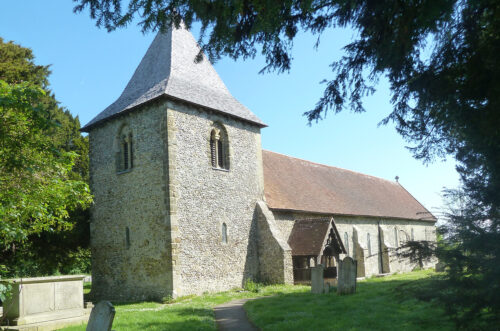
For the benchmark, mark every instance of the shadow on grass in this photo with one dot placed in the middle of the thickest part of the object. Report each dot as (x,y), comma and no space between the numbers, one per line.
(185,318)
(379,304)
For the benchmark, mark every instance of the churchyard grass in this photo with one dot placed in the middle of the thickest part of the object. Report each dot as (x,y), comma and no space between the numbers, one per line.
(385,303)
(379,304)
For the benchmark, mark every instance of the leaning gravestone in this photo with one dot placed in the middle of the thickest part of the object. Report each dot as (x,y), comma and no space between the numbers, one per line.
(101,317)
(347,276)
(317,279)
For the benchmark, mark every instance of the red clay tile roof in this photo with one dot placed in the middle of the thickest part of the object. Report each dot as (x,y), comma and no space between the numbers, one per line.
(308,235)
(299,185)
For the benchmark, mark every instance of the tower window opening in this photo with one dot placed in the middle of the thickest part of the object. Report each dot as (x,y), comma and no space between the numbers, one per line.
(219,156)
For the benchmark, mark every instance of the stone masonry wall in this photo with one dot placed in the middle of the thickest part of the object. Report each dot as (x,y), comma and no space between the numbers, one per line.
(359,228)
(275,255)
(205,198)
(137,199)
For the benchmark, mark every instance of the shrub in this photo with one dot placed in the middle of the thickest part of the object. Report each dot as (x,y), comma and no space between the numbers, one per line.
(251,286)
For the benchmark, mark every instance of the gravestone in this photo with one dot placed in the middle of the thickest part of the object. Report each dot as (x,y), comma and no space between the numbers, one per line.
(347,276)
(101,317)
(317,281)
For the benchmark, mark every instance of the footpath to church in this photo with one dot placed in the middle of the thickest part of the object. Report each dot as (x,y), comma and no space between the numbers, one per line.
(231,316)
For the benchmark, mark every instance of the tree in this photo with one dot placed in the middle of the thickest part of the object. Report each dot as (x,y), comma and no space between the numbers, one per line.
(44,194)
(418,252)
(441,60)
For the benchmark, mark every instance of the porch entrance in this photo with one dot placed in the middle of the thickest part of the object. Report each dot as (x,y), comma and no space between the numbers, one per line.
(315,241)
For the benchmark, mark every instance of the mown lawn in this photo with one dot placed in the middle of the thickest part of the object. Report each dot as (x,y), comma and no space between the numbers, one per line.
(376,306)
(379,304)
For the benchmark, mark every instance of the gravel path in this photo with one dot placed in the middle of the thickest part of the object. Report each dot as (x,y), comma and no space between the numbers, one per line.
(231,316)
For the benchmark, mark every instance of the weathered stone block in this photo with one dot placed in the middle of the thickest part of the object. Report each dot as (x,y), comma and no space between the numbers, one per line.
(45,299)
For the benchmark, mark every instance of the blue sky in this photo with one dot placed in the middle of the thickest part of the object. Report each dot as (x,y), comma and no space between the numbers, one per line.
(90,67)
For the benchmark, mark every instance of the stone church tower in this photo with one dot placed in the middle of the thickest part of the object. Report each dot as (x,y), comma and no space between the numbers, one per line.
(176,172)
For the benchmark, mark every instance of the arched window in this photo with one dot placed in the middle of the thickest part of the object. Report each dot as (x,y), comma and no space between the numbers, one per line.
(125,157)
(219,148)
(224,233)
(396,242)
(412,235)
(369,244)
(346,243)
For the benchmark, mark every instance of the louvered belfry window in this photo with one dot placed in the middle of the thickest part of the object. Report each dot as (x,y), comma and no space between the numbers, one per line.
(131,153)
(218,149)
(220,154)
(125,157)
(213,150)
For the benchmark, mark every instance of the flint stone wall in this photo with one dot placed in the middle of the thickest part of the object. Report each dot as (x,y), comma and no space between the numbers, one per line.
(203,198)
(174,204)
(142,268)
(371,264)
(275,255)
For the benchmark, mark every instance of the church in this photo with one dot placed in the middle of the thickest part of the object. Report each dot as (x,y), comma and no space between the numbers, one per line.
(186,201)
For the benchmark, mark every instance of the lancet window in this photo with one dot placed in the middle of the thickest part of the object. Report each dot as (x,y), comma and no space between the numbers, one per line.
(224,233)
(346,242)
(369,244)
(396,242)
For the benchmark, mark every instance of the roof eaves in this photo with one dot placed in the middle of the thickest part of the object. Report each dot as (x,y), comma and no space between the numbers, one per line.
(87,128)
(314,212)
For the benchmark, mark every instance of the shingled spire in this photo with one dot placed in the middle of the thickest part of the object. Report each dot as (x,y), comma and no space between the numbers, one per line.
(168,69)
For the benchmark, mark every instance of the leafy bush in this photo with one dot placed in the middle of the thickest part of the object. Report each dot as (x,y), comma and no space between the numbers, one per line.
(78,262)
(251,286)
(168,299)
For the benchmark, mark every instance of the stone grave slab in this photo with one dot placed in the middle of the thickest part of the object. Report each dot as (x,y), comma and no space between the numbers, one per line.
(347,276)
(317,280)
(50,302)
